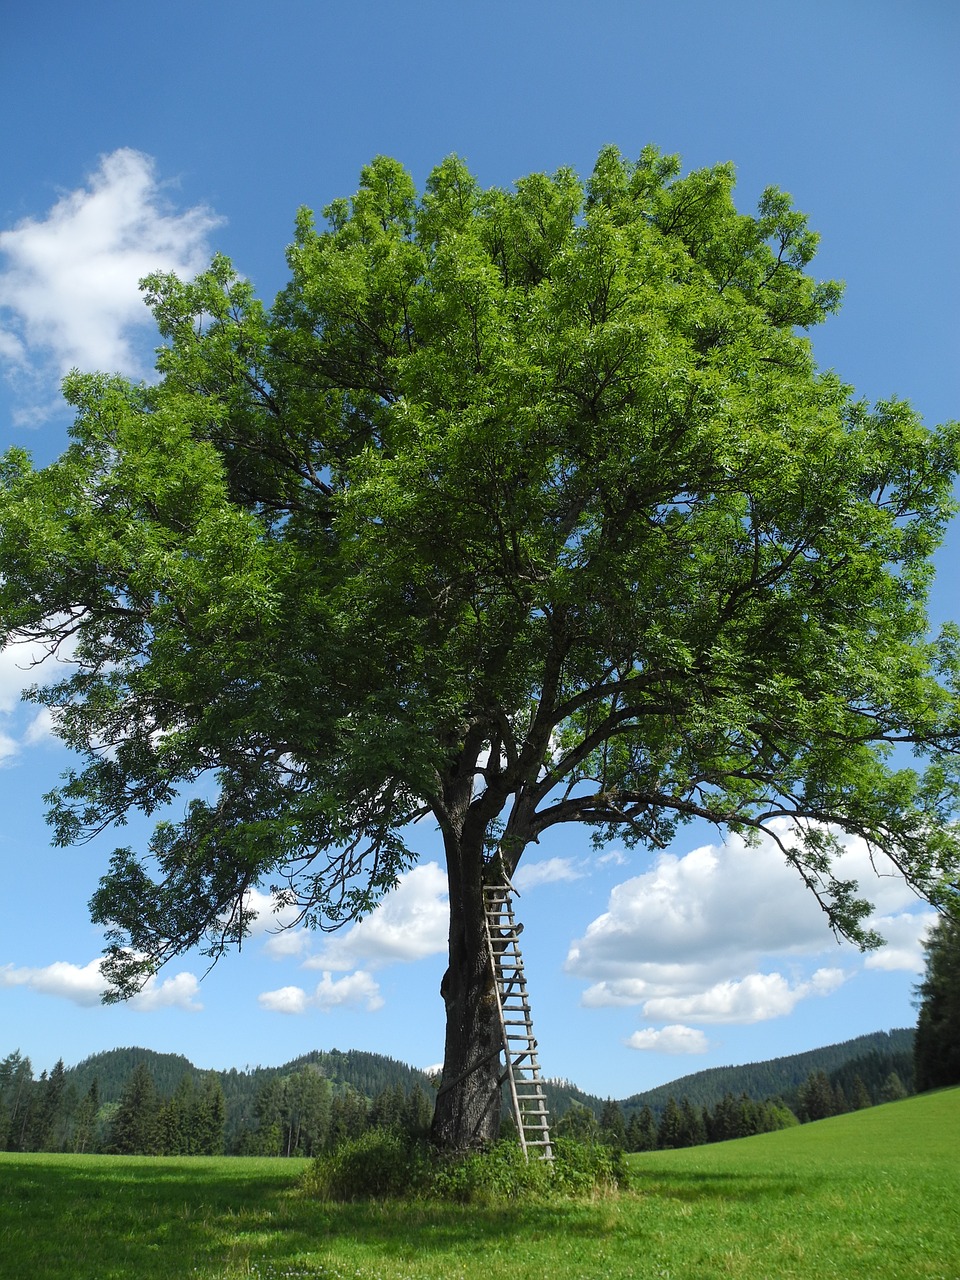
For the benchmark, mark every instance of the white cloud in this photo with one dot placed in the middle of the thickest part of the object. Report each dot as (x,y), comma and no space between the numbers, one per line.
(84,985)
(755,998)
(70,288)
(289,943)
(906,934)
(40,728)
(22,664)
(270,915)
(412,922)
(178,992)
(284,1000)
(547,871)
(674,1039)
(19,670)
(692,939)
(357,989)
(720,907)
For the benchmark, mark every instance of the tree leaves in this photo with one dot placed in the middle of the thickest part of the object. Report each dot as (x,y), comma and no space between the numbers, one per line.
(517,508)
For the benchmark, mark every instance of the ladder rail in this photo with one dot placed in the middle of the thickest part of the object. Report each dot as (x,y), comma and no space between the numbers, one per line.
(528,1101)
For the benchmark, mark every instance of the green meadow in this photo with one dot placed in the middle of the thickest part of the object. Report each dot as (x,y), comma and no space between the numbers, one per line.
(869,1196)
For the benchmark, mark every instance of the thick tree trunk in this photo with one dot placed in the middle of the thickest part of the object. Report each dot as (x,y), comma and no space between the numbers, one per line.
(467,1113)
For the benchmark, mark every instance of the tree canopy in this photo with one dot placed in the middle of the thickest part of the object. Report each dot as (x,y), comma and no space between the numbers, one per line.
(518,508)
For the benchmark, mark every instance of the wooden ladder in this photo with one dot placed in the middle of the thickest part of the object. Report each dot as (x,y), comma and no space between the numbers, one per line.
(521,1065)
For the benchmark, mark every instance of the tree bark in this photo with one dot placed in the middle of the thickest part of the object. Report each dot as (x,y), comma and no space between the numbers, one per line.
(467,1113)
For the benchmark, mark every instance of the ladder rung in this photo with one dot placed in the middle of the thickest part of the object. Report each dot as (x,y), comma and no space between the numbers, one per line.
(522,1067)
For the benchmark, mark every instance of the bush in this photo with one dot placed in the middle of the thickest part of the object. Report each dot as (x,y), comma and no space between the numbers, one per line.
(383,1164)
(584,1168)
(501,1172)
(379,1165)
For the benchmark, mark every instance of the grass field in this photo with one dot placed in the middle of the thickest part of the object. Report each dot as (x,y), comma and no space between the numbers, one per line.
(871,1196)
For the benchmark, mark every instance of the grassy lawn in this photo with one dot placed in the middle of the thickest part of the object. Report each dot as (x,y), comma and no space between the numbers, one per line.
(872,1196)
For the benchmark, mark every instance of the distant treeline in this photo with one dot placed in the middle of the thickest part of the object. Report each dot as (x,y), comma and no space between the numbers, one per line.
(683,1124)
(128,1101)
(135,1102)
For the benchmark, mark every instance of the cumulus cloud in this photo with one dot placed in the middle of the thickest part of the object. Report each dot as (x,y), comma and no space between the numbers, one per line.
(547,871)
(355,990)
(69,291)
(674,1039)
(275,919)
(84,985)
(755,998)
(412,922)
(906,935)
(178,992)
(692,938)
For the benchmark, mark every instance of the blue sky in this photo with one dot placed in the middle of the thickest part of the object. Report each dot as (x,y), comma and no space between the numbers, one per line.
(141,136)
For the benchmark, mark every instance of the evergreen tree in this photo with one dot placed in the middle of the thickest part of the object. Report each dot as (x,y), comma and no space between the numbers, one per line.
(578,1121)
(893,1088)
(136,1125)
(642,1131)
(670,1128)
(725,1120)
(693,1132)
(937,1045)
(613,1129)
(418,1113)
(816,1097)
(47,1131)
(209,1117)
(859,1097)
(17,1086)
(85,1129)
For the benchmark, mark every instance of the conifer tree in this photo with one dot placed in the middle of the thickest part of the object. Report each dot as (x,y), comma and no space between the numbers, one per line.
(135,1128)
(937,1043)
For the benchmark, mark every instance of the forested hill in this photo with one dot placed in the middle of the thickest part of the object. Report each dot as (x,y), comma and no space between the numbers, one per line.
(367,1073)
(879,1052)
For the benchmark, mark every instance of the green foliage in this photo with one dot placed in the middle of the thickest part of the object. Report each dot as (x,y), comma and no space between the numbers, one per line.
(540,489)
(379,1164)
(384,1164)
(937,1047)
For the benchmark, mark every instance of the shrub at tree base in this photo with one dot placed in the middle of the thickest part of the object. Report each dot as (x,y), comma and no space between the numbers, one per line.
(383,1165)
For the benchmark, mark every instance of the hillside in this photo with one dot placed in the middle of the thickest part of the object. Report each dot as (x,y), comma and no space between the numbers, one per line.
(371,1073)
(779,1076)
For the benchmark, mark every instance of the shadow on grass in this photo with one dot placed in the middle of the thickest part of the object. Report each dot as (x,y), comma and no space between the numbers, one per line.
(743,1188)
(116,1219)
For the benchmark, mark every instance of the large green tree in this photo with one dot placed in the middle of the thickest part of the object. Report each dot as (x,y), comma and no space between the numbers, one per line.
(518,508)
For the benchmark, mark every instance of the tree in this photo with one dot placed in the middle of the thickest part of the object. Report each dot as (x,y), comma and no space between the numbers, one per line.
(670,1130)
(642,1131)
(17,1088)
(937,1043)
(613,1129)
(893,1089)
(135,1129)
(815,1097)
(85,1131)
(517,509)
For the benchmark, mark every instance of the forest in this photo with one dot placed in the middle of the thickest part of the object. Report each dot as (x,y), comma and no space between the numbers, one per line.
(138,1102)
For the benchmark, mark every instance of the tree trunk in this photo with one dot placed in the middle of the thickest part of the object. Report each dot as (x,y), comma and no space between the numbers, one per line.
(467,1113)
